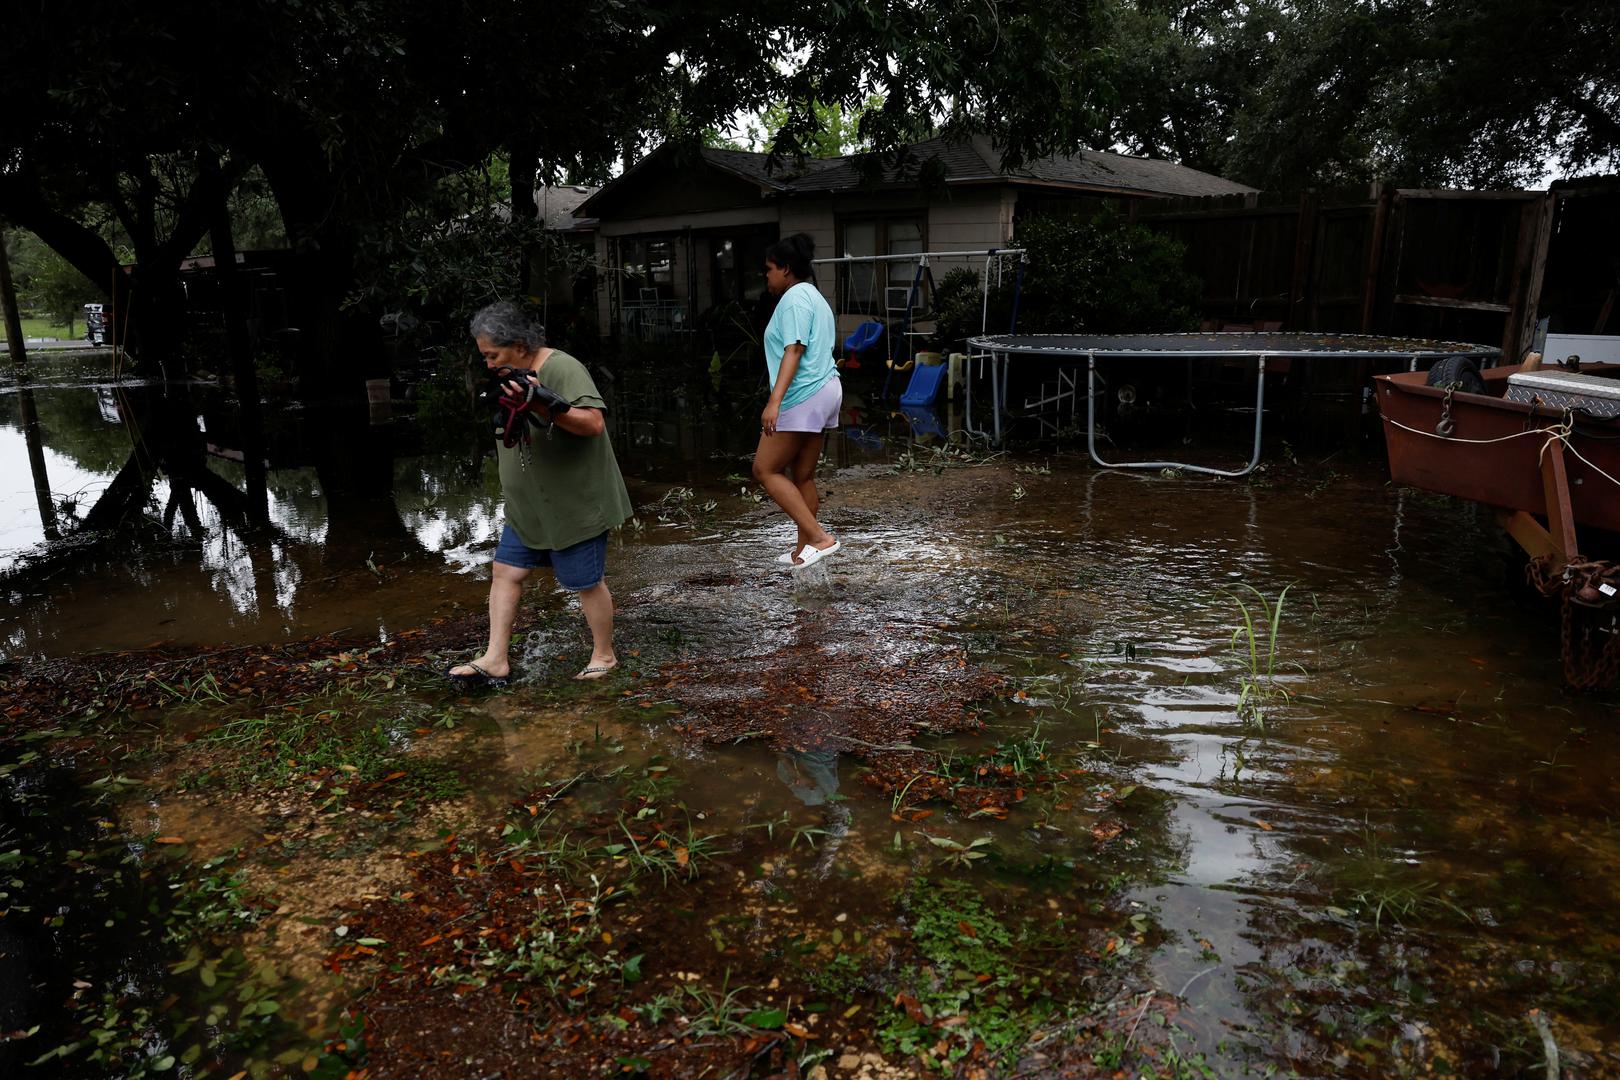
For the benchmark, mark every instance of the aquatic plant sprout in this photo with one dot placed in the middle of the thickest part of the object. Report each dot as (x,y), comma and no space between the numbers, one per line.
(1258,638)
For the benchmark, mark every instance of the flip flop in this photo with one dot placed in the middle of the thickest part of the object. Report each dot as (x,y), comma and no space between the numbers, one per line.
(595,671)
(812,555)
(786,557)
(481,680)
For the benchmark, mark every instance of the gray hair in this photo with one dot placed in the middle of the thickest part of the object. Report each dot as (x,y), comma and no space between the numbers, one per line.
(506,323)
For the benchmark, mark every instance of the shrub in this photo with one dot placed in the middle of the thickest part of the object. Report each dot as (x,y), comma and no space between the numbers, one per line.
(1101,275)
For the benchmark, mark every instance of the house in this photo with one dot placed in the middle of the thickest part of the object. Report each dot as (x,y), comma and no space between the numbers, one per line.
(684,231)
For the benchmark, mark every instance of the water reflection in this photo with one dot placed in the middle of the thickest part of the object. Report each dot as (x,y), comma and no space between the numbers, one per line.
(240,541)
(28,419)
(307,520)
(811,775)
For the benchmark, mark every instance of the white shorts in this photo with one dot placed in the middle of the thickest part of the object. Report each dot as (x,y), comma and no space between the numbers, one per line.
(818,412)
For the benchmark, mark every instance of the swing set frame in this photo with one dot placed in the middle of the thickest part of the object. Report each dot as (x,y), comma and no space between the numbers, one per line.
(924,272)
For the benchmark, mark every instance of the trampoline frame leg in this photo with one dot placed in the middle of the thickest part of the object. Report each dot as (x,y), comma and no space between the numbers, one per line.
(996,388)
(1091,427)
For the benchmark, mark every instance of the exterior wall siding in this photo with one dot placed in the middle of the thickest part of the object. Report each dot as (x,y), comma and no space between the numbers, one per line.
(815,218)
(971,219)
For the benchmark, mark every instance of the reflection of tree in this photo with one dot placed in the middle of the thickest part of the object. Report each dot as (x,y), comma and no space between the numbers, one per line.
(167,441)
(355,463)
(36,461)
(74,425)
(457,498)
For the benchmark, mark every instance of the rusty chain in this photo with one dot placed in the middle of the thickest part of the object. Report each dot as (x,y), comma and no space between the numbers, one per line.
(1589,598)
(1446,425)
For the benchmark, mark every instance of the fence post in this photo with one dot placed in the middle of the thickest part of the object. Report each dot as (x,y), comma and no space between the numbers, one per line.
(1301,283)
(1529,268)
(1383,196)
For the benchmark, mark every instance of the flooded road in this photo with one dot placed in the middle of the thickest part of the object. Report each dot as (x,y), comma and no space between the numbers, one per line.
(1052,771)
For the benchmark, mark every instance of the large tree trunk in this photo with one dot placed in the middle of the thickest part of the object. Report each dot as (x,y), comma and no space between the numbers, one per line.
(147,300)
(243,375)
(340,344)
(8,301)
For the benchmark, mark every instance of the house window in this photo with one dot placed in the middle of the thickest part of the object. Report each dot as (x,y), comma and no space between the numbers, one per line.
(739,260)
(648,265)
(863,288)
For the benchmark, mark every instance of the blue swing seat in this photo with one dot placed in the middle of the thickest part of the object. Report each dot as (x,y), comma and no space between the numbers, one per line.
(863,337)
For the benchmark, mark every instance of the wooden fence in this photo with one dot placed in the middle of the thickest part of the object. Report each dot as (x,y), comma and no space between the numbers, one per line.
(1461,265)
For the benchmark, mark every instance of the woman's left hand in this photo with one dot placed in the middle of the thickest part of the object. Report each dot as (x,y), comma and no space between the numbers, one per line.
(767,419)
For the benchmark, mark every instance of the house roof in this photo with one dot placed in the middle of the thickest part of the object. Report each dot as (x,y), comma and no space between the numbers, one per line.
(786,176)
(973,161)
(557,206)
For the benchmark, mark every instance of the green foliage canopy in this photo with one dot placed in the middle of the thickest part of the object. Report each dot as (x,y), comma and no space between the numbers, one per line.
(354,110)
(1283,94)
(47,282)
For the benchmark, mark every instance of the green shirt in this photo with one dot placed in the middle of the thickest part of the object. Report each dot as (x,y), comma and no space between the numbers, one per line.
(563,488)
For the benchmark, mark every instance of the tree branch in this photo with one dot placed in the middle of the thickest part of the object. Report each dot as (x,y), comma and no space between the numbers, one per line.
(76,242)
(1600,123)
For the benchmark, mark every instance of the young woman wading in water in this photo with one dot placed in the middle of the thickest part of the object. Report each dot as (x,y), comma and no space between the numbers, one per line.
(805,395)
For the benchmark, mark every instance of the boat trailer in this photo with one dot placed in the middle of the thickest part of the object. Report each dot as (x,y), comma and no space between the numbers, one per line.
(1531,457)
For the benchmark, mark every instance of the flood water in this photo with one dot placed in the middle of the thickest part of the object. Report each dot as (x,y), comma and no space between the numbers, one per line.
(1380,842)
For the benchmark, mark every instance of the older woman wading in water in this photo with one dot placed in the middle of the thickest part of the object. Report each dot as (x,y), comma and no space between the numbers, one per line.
(805,395)
(562,487)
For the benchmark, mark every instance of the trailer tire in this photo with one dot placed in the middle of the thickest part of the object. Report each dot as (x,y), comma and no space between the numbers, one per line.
(1461,372)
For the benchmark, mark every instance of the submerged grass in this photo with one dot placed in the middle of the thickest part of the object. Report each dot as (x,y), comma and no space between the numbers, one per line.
(340,743)
(1378,881)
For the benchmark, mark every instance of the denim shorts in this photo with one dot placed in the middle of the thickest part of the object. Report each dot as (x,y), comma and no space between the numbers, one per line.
(578,567)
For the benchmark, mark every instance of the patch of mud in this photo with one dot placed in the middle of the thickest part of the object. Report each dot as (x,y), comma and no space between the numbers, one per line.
(865,692)
(56,691)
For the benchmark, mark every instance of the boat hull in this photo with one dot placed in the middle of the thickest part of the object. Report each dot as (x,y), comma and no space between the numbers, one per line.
(1506,473)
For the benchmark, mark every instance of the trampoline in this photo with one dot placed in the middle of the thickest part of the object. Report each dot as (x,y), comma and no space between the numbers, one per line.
(1261,346)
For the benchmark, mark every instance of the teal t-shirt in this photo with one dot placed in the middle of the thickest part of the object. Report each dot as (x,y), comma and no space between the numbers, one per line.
(563,488)
(802,316)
